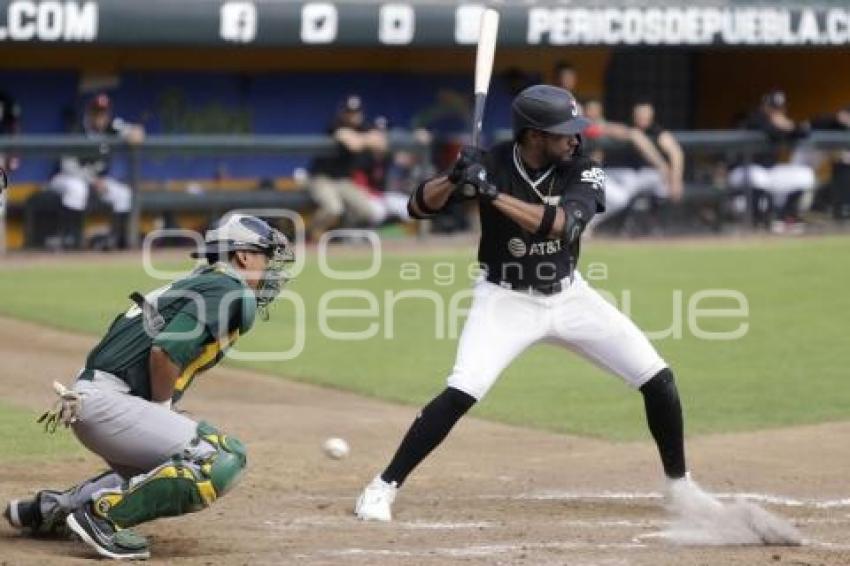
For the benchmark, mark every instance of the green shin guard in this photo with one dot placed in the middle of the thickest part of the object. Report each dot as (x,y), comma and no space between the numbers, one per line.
(226,468)
(185,484)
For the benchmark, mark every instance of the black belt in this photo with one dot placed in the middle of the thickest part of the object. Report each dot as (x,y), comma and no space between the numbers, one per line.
(86,375)
(537,289)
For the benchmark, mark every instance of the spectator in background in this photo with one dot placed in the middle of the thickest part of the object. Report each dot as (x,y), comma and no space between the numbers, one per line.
(776,186)
(814,157)
(840,120)
(331,183)
(638,171)
(566,77)
(388,176)
(619,194)
(79,175)
(10,124)
(836,193)
(10,114)
(643,118)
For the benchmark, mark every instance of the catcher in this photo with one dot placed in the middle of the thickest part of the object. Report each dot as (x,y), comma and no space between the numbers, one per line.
(120,407)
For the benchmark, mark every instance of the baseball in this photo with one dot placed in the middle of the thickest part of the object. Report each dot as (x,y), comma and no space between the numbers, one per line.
(336,448)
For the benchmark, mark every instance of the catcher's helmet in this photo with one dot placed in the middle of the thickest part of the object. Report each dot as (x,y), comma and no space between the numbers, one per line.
(547,108)
(242,232)
(236,232)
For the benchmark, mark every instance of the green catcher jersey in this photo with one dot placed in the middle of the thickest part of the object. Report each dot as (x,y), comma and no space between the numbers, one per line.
(203,314)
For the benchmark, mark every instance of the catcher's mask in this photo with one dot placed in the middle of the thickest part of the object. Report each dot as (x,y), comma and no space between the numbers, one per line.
(237,232)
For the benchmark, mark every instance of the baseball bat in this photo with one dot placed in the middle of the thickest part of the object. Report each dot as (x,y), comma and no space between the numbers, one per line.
(484,56)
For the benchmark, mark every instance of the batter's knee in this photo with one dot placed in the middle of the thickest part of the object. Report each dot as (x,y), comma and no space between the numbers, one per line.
(662,384)
(449,406)
(473,389)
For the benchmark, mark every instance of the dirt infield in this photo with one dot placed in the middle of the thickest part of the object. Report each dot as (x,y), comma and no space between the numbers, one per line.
(493,494)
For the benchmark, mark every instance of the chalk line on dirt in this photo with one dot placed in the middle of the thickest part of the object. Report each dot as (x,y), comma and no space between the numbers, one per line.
(771,499)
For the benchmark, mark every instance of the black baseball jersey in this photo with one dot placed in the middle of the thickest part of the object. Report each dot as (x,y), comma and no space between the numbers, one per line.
(516,256)
(629,157)
(100,162)
(338,164)
(771,154)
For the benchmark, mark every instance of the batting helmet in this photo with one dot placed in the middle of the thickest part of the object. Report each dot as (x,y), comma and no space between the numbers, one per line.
(547,108)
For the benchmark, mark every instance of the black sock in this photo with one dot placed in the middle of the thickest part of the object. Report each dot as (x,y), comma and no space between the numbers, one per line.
(664,416)
(427,432)
(790,210)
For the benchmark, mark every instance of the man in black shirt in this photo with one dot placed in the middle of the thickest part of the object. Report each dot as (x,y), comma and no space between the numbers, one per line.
(536,195)
(776,186)
(80,174)
(632,170)
(331,183)
(10,124)
(10,114)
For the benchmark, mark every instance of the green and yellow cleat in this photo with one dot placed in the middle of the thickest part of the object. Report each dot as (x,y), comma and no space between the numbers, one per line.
(107,539)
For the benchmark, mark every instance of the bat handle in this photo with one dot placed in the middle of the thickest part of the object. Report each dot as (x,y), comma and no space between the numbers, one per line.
(478,118)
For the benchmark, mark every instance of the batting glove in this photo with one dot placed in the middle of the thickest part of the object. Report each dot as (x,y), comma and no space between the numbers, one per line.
(474,183)
(468,156)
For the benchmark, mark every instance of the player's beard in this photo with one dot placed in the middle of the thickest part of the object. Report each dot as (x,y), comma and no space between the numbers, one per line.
(555,157)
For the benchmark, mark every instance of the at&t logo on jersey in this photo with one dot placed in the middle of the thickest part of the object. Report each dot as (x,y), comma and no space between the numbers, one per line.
(548,247)
(518,248)
(595,176)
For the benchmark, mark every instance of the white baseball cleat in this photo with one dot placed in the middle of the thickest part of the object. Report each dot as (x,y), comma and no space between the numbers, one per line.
(685,497)
(700,518)
(375,503)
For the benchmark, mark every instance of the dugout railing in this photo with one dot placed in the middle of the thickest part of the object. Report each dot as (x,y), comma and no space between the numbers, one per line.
(192,145)
(726,145)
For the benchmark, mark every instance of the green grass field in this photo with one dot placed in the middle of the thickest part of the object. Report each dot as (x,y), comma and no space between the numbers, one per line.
(21,436)
(791,367)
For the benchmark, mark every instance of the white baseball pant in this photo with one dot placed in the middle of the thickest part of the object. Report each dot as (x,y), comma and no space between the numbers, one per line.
(74,190)
(780,180)
(503,323)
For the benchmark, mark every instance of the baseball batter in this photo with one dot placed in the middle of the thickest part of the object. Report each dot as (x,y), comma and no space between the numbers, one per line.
(536,193)
(162,463)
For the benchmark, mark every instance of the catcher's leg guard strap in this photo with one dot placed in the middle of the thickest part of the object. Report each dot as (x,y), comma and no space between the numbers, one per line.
(664,416)
(54,506)
(206,470)
(427,432)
